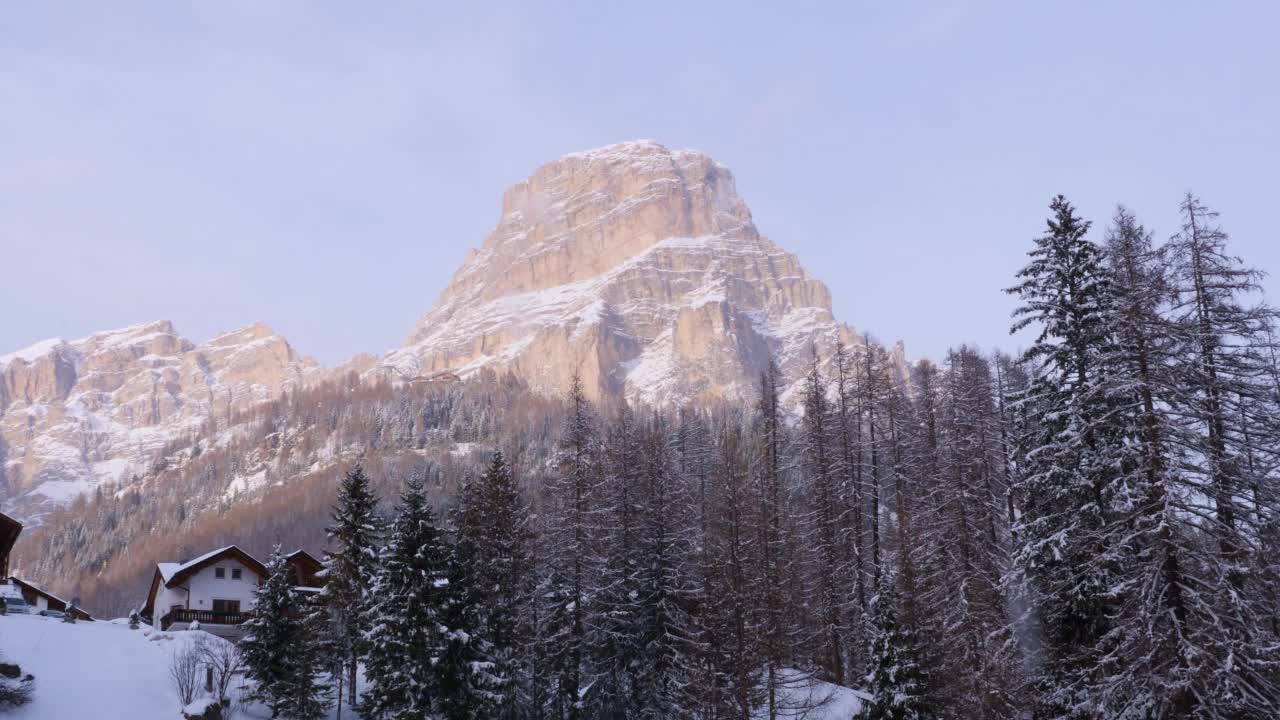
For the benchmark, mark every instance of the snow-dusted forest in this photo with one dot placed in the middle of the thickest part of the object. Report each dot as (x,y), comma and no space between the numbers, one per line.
(1086,529)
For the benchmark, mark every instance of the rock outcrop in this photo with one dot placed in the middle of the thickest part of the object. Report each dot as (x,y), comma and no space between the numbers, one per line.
(637,267)
(80,413)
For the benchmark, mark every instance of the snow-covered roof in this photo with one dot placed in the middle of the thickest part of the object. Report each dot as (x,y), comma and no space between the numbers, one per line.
(169,570)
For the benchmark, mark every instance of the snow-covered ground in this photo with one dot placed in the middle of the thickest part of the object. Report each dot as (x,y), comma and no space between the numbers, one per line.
(99,670)
(105,671)
(91,669)
(802,698)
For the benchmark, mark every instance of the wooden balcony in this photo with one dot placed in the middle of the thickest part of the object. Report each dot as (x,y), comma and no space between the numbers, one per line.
(204,617)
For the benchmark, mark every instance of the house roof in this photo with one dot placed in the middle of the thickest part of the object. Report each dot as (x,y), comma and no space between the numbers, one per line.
(304,556)
(9,531)
(80,612)
(174,573)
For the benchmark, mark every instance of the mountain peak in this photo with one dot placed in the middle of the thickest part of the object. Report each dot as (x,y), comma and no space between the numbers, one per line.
(638,267)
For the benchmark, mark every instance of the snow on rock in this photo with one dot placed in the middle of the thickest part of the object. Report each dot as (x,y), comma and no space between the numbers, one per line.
(33,352)
(639,268)
(74,415)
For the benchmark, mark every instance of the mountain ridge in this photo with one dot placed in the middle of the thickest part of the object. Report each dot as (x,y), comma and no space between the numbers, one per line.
(637,267)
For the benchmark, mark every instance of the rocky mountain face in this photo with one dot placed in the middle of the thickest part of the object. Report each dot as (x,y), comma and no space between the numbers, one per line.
(636,266)
(77,414)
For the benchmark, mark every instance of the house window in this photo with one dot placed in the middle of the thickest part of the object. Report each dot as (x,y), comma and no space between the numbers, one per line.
(235,573)
(226,606)
(219,573)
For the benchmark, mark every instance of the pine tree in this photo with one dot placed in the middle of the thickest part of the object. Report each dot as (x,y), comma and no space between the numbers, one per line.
(352,563)
(895,681)
(1149,640)
(732,614)
(1224,431)
(776,623)
(1081,463)
(670,639)
(848,421)
(616,622)
(695,462)
(572,569)
(493,585)
(407,636)
(281,652)
(972,666)
(831,573)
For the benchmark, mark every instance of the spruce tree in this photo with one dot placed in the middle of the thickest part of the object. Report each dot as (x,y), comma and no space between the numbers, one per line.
(572,531)
(615,621)
(352,563)
(732,613)
(407,636)
(1071,550)
(281,651)
(670,638)
(895,681)
(492,587)
(832,575)
(971,664)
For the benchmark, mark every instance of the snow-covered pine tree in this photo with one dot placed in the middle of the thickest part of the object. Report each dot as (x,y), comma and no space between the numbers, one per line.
(848,426)
(671,638)
(493,584)
(732,614)
(872,389)
(281,651)
(406,637)
(1224,420)
(777,625)
(972,661)
(571,557)
(352,563)
(1152,631)
(615,623)
(786,627)
(895,681)
(1081,462)
(694,451)
(832,575)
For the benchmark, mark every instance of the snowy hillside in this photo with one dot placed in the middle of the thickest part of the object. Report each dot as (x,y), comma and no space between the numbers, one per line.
(93,669)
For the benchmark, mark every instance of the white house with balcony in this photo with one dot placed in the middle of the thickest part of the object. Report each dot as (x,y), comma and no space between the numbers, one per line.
(217,589)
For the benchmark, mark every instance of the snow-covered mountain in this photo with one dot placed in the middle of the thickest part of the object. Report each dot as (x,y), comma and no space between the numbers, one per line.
(75,414)
(637,266)
(640,268)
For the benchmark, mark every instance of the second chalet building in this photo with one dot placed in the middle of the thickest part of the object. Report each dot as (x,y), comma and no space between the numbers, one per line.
(217,589)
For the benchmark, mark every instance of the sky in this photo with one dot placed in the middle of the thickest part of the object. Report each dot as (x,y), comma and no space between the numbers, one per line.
(324,167)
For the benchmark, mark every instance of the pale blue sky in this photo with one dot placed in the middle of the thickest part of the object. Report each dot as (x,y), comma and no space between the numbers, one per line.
(325,166)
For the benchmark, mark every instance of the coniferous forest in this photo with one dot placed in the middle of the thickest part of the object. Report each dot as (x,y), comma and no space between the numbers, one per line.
(1087,529)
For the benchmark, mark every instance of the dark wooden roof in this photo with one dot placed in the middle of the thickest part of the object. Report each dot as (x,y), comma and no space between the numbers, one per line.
(307,567)
(55,602)
(9,531)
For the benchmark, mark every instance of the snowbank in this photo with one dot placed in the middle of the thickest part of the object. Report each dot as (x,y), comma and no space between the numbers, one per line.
(94,671)
(803,697)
